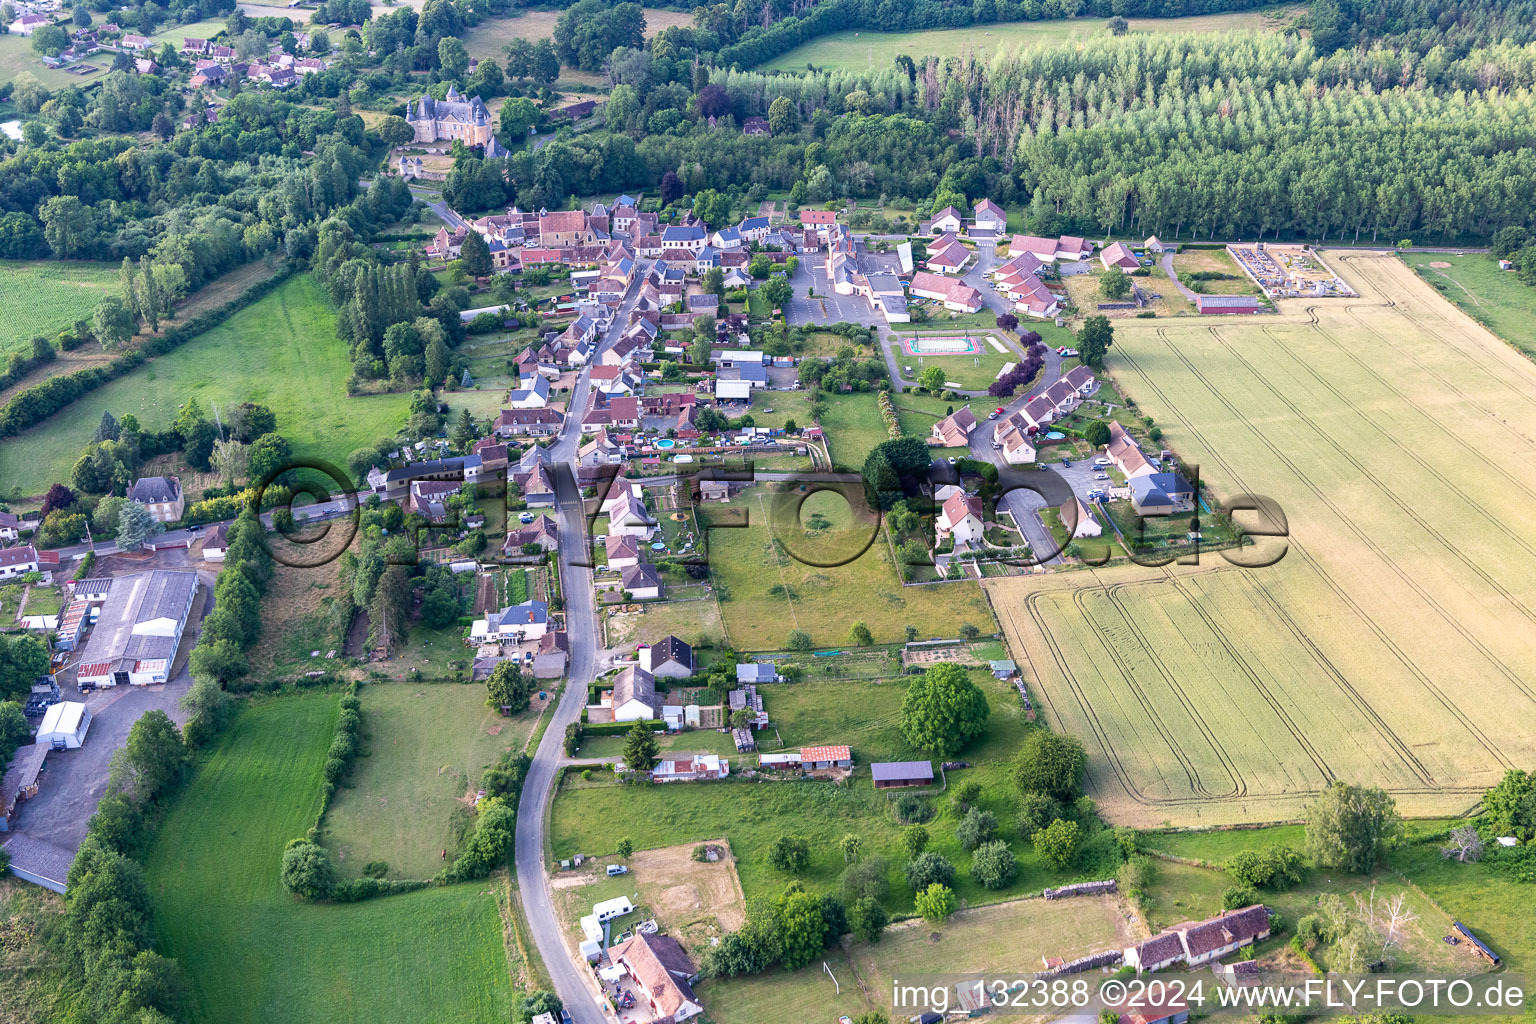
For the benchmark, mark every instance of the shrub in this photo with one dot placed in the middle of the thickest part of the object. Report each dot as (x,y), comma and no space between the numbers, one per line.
(978,827)
(1051,764)
(376,868)
(789,853)
(1276,867)
(1057,843)
(912,809)
(929,868)
(306,870)
(1237,896)
(935,903)
(994,866)
(1036,811)
(488,845)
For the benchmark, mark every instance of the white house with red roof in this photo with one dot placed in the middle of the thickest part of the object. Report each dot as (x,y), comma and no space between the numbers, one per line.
(956,296)
(17,561)
(961,518)
(948,256)
(954,430)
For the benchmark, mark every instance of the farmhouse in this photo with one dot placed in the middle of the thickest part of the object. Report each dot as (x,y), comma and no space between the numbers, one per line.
(1196,943)
(663,973)
(900,774)
(141,622)
(669,657)
(161,495)
(634,696)
(17,561)
(1049,250)
(528,422)
(1161,494)
(954,430)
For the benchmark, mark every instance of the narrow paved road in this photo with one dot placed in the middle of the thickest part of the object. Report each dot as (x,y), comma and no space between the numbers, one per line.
(1173,276)
(586,644)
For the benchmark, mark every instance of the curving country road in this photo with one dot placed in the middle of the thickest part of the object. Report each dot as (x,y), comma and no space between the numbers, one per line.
(586,648)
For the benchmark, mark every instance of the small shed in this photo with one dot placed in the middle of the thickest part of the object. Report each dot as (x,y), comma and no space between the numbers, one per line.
(899,774)
(64,726)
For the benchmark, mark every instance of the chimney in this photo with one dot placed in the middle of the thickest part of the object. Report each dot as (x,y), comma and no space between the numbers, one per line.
(645,657)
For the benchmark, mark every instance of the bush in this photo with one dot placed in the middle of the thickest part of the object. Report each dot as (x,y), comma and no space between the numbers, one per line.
(1057,843)
(929,868)
(1238,896)
(789,853)
(1051,764)
(488,845)
(994,866)
(912,809)
(1276,867)
(1036,811)
(307,870)
(935,903)
(978,827)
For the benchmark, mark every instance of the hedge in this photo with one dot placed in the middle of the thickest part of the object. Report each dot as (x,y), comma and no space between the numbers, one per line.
(621,728)
(31,406)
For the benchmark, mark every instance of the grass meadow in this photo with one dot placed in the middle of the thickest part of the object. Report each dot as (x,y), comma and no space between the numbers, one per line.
(281,351)
(252,953)
(1394,438)
(853,426)
(46,296)
(860,51)
(971,372)
(1494,298)
(770,589)
(16,56)
(427,747)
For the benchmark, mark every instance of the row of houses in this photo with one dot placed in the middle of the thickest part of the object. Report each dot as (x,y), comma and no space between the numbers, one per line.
(1013,434)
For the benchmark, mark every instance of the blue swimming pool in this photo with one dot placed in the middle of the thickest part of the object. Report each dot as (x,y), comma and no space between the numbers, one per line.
(666,443)
(1054,435)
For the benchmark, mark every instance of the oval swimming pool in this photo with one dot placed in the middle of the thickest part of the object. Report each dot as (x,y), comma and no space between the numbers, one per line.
(1054,435)
(666,443)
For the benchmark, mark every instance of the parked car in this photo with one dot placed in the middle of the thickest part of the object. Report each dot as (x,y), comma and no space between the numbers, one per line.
(617,869)
(992,415)
(951,460)
(526,517)
(997,444)
(1066,462)
(1101,476)
(1102,460)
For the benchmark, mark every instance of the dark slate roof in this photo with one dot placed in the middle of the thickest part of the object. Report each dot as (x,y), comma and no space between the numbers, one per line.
(672,649)
(150,489)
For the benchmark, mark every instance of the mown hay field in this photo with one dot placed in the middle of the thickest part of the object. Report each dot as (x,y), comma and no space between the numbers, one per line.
(861,51)
(769,589)
(1394,643)
(281,351)
(252,952)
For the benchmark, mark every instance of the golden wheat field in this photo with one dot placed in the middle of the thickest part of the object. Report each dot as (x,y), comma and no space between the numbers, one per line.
(1395,642)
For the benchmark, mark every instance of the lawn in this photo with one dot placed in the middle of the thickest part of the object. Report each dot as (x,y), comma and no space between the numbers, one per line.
(695,622)
(16,56)
(1214,261)
(853,426)
(1494,298)
(251,953)
(768,588)
(427,747)
(972,372)
(858,51)
(205,29)
(591,817)
(1393,437)
(42,297)
(281,351)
